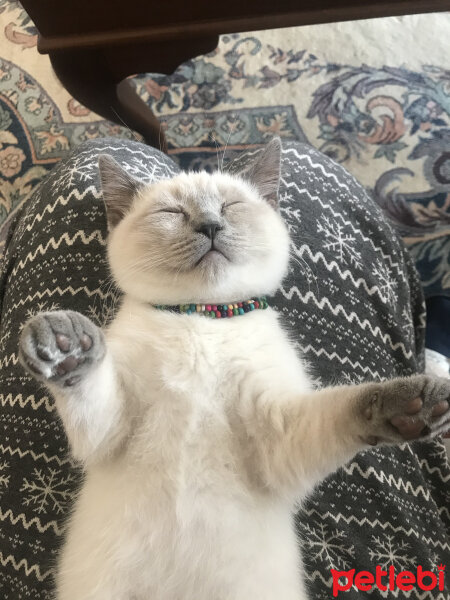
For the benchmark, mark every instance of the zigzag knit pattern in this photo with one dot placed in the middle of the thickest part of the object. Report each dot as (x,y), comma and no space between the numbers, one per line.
(353,304)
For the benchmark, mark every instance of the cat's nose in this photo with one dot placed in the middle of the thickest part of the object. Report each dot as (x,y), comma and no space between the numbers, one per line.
(209,229)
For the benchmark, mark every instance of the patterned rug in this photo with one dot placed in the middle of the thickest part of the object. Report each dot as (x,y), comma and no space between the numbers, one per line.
(374,95)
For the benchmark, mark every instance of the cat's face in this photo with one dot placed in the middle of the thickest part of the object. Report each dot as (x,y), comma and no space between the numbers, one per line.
(197,237)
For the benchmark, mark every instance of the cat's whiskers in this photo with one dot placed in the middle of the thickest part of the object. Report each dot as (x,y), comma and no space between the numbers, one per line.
(125,125)
(244,246)
(152,261)
(217,150)
(309,272)
(106,301)
(226,145)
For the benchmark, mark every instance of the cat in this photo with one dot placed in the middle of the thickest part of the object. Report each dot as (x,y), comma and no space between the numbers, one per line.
(199,435)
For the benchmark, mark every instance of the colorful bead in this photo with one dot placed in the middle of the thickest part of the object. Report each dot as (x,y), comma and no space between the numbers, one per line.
(218,311)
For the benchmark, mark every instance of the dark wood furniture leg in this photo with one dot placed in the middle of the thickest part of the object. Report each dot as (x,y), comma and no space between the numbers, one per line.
(96,77)
(95,44)
(87,77)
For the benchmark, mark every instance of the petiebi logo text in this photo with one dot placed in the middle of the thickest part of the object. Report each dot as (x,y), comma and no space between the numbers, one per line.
(388,580)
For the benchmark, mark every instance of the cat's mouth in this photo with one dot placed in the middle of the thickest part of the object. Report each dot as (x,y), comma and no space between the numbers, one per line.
(211,255)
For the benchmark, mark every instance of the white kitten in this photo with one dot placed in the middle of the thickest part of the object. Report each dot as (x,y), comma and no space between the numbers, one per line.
(198,435)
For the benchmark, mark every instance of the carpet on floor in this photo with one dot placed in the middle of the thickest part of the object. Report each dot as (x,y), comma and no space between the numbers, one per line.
(374,95)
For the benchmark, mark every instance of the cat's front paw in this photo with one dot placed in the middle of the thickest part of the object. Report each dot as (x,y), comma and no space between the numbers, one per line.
(406,409)
(60,347)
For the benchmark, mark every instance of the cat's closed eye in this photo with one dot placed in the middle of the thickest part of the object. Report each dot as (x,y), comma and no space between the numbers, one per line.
(229,204)
(174,211)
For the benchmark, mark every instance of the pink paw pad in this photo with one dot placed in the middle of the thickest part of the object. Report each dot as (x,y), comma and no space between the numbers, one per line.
(440,408)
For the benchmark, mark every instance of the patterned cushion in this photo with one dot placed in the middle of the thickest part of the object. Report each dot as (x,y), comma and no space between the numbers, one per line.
(354,306)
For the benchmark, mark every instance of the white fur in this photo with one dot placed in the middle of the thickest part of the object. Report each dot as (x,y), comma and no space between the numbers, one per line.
(198,436)
(255,272)
(191,506)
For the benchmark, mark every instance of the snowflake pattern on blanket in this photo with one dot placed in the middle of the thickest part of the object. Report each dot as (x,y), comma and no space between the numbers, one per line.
(353,305)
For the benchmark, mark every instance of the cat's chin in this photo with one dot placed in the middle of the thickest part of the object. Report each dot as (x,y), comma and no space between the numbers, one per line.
(211,258)
(212,264)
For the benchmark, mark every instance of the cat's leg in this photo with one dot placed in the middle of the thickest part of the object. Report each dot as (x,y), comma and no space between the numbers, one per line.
(68,353)
(298,441)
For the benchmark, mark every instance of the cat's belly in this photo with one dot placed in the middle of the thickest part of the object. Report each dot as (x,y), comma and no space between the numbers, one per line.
(124,544)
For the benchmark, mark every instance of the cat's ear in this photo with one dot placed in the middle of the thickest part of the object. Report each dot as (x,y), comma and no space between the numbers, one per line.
(119,188)
(264,172)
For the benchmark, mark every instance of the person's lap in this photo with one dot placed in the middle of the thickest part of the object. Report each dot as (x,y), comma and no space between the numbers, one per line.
(352,302)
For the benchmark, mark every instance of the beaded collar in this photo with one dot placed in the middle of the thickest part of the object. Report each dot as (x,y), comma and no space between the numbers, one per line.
(217,311)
